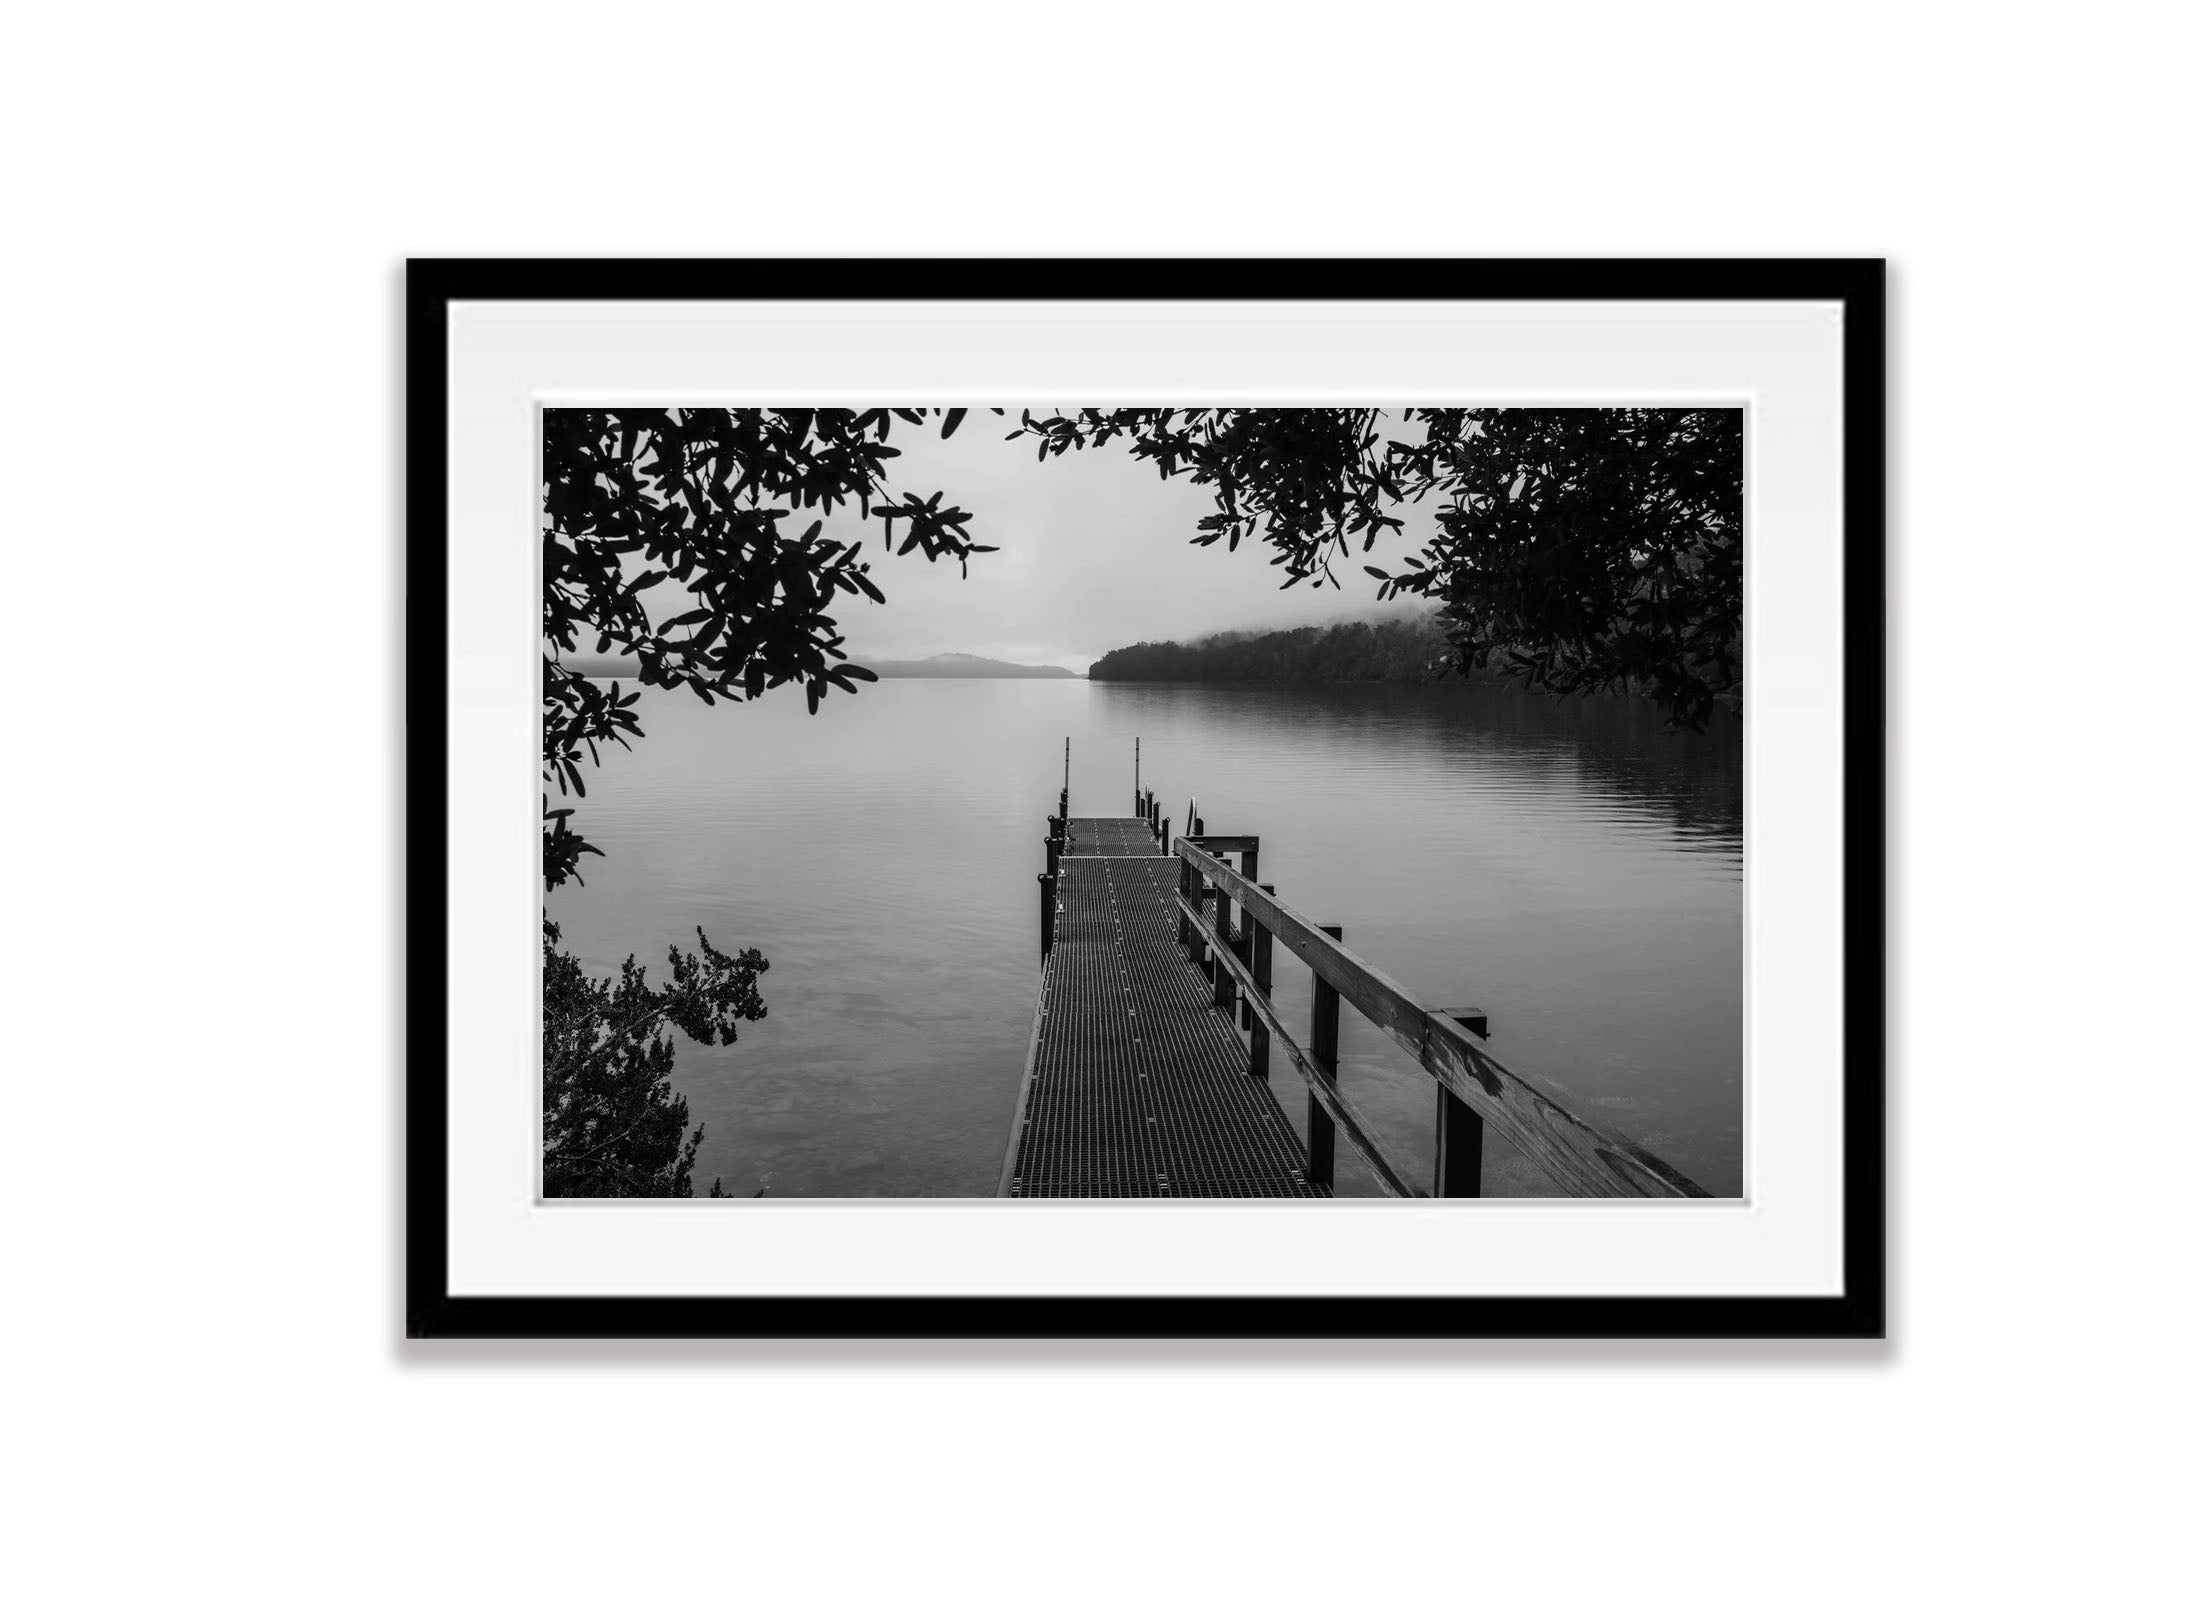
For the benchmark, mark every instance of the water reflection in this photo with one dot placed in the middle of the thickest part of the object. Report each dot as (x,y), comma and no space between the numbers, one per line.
(1570,866)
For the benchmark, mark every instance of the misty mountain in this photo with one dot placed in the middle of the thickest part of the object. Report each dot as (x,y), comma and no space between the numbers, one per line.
(955,664)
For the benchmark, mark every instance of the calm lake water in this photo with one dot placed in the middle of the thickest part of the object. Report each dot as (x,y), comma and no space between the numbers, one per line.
(1569,866)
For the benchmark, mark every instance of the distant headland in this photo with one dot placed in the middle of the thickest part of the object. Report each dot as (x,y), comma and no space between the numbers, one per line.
(955,664)
(1410,649)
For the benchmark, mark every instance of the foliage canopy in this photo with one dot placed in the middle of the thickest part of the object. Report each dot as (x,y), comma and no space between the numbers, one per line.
(1578,550)
(633,499)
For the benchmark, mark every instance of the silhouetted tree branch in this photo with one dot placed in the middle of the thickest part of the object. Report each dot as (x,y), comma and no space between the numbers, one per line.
(611,1125)
(689,503)
(1580,550)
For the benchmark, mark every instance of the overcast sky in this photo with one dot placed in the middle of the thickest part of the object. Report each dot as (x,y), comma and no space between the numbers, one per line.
(1095,552)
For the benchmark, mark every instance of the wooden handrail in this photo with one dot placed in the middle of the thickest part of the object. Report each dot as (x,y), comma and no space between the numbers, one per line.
(1228,844)
(1318,1083)
(1579,1158)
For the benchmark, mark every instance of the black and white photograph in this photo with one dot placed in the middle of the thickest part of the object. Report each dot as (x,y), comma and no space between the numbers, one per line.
(1039,802)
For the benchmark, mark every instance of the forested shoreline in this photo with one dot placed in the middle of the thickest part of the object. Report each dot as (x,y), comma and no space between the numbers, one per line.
(1403,650)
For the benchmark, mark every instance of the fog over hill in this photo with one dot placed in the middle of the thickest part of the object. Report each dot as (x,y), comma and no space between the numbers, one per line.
(1409,648)
(955,664)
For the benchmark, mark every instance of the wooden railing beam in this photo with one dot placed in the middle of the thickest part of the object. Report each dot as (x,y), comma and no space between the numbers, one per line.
(1228,844)
(1577,1157)
(1388,1174)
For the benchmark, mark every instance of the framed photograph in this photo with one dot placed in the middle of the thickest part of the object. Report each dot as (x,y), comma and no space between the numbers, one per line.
(1145,798)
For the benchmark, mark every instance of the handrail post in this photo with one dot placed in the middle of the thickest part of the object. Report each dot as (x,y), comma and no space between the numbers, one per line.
(1046,915)
(1184,891)
(1199,923)
(1225,985)
(1321,1132)
(1459,1125)
(1248,866)
(1264,954)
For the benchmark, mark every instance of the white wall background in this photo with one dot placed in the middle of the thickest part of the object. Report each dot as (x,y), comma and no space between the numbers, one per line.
(209,205)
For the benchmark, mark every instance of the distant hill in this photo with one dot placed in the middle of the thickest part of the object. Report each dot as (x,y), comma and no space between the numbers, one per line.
(954,664)
(591,665)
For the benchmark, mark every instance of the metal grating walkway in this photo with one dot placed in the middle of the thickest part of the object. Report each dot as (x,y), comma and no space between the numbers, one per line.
(1114,836)
(1137,1085)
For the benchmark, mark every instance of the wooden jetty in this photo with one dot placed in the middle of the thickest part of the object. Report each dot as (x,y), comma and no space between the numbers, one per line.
(1155,1031)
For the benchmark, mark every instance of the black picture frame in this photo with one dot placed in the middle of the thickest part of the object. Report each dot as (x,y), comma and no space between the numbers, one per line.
(1859,1311)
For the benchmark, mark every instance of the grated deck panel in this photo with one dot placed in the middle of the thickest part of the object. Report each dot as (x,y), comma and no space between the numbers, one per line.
(1112,836)
(1138,1085)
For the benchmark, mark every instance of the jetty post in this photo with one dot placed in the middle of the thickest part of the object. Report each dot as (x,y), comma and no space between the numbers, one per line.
(1459,1125)
(1321,1128)
(1264,959)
